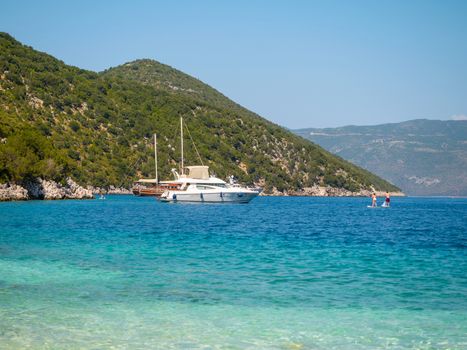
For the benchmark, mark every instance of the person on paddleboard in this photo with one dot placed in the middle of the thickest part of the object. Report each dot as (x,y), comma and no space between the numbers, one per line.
(387,200)
(373,200)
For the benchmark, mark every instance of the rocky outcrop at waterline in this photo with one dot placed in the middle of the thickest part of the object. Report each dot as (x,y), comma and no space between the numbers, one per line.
(48,189)
(109,190)
(44,189)
(12,192)
(328,191)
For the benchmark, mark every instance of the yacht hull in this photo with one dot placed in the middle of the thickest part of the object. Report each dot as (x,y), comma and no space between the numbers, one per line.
(209,197)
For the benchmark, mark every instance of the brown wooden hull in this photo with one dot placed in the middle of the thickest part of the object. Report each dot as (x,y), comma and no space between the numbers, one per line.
(154,191)
(151,191)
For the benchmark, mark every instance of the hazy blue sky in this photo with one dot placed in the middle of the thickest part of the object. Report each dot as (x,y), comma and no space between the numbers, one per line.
(297,63)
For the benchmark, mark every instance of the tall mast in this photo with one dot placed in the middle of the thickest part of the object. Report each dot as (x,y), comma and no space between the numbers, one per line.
(155,156)
(182,170)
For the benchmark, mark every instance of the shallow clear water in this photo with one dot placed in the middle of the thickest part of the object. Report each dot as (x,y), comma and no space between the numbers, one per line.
(278,273)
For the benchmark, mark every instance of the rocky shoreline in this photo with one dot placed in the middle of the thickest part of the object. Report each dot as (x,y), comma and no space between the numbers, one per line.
(44,189)
(51,190)
(110,190)
(327,191)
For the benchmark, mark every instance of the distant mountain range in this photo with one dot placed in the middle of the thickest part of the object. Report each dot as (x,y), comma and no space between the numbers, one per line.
(59,121)
(422,157)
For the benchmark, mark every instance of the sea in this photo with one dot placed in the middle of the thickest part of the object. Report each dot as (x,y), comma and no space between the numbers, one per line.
(277,273)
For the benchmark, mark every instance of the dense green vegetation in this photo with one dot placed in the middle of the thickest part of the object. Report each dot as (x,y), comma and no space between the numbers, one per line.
(58,121)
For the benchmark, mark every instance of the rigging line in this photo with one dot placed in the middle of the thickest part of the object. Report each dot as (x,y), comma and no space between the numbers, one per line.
(135,163)
(175,142)
(196,149)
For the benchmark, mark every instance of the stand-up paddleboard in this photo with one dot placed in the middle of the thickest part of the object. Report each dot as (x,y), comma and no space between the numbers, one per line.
(370,206)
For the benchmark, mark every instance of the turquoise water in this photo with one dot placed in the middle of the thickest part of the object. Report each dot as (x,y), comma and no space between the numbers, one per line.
(278,273)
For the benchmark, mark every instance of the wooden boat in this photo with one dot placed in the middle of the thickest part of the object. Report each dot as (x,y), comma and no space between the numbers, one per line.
(144,187)
(152,187)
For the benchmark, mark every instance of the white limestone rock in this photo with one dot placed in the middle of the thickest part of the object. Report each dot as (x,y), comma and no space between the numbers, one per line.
(49,189)
(118,190)
(75,191)
(12,192)
(110,190)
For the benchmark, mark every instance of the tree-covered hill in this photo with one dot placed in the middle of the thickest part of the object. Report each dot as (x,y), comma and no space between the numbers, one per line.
(171,80)
(57,120)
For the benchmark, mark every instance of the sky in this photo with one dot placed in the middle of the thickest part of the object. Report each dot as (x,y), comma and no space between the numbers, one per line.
(297,63)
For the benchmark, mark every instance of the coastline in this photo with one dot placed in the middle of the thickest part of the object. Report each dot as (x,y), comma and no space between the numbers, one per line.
(39,189)
(328,191)
(51,190)
(43,189)
(110,190)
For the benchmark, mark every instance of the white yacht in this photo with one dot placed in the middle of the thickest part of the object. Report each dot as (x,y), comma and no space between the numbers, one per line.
(199,186)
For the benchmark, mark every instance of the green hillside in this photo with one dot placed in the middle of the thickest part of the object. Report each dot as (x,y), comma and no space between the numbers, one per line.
(171,80)
(57,120)
(423,157)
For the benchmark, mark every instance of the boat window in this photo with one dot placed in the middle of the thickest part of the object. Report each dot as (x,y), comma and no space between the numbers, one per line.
(209,186)
(204,187)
